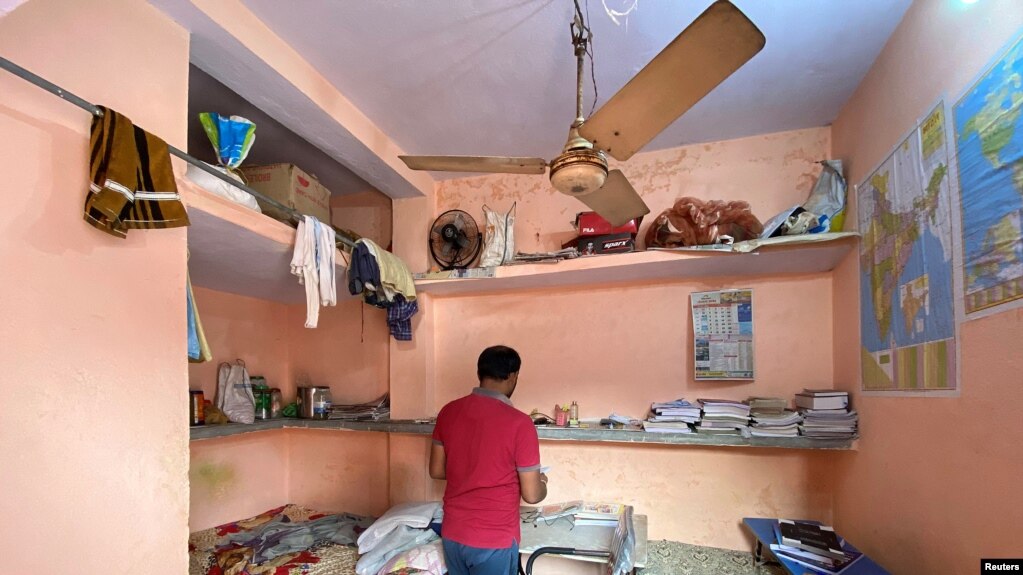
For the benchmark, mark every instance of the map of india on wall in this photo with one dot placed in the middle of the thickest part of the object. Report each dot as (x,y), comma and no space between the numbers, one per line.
(907,307)
(989,144)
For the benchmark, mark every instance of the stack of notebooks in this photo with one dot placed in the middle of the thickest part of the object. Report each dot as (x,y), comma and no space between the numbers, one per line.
(582,513)
(826,414)
(814,546)
(598,514)
(375,410)
(672,417)
(723,417)
(772,419)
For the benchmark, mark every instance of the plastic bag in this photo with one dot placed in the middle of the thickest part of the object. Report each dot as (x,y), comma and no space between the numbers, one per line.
(232,137)
(828,196)
(499,239)
(221,188)
(234,392)
(696,222)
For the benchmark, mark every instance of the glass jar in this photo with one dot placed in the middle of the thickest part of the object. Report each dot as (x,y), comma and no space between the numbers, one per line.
(276,402)
(263,398)
(196,408)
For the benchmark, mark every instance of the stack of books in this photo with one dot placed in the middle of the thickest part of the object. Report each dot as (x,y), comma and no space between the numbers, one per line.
(552,511)
(767,405)
(582,513)
(672,417)
(598,514)
(771,418)
(826,414)
(724,417)
(814,546)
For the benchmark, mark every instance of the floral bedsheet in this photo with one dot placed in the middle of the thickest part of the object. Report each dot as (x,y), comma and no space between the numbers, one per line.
(211,552)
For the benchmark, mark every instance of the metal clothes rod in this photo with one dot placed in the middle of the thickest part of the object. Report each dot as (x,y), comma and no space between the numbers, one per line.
(95,111)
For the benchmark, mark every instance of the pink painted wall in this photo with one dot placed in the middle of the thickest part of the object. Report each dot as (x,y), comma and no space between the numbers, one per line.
(921,496)
(245,328)
(691,494)
(621,348)
(574,347)
(235,477)
(339,470)
(368,213)
(95,445)
(238,477)
(347,351)
(331,471)
(772,172)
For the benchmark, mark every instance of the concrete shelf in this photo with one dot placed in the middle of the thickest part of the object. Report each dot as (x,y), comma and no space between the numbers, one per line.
(545,433)
(768,260)
(236,250)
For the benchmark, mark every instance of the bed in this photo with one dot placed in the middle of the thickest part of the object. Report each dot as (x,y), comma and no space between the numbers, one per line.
(293,540)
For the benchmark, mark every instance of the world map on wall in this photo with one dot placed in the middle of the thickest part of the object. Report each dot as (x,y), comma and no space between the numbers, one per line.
(989,144)
(907,307)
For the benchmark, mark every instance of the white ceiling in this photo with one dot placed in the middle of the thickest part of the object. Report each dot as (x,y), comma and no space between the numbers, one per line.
(497,77)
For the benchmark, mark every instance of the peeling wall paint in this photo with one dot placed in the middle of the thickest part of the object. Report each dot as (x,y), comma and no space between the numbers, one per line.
(772,172)
(619,348)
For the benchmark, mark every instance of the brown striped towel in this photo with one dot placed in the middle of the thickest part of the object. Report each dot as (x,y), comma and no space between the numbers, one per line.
(131,184)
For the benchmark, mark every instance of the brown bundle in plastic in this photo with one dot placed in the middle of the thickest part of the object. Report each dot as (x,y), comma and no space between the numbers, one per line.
(695,222)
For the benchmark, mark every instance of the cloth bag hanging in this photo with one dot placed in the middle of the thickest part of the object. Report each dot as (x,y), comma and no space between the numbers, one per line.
(499,239)
(234,393)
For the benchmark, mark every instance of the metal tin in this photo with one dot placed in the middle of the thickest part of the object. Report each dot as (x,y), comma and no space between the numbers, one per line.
(313,402)
(196,413)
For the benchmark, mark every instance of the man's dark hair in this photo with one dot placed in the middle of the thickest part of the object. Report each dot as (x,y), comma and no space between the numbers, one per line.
(498,362)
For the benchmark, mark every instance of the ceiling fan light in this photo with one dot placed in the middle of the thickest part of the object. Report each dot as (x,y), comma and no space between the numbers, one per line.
(579,172)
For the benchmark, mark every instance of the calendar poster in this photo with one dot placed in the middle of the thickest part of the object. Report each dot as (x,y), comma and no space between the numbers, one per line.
(723,334)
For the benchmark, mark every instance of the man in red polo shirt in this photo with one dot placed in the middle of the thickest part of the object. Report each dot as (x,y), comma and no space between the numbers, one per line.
(489,453)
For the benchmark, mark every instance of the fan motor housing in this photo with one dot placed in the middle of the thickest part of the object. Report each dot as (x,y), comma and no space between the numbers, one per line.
(579,171)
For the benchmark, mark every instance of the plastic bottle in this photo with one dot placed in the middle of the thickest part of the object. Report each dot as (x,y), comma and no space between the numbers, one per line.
(573,414)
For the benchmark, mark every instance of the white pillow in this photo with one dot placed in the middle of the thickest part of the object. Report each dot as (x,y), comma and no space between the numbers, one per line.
(414,514)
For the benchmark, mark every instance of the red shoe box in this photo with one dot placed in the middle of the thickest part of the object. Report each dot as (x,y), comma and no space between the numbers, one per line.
(606,244)
(591,224)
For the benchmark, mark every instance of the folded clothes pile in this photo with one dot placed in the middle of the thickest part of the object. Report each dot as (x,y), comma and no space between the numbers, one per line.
(403,539)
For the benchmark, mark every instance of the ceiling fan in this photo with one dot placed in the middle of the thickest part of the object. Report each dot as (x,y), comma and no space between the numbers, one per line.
(709,50)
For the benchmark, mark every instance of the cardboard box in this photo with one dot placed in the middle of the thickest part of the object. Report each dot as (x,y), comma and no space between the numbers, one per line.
(606,244)
(290,186)
(591,224)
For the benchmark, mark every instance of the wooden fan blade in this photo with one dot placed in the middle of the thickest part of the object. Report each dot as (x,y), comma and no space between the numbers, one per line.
(492,164)
(709,50)
(617,201)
